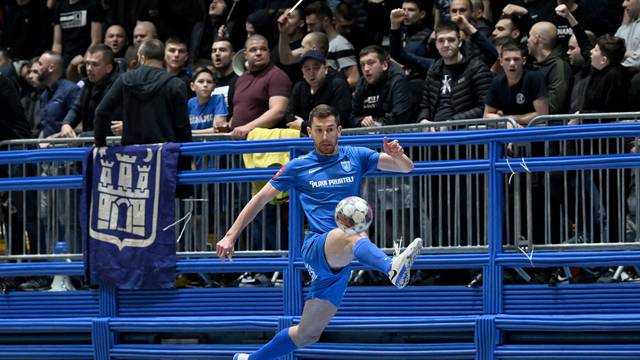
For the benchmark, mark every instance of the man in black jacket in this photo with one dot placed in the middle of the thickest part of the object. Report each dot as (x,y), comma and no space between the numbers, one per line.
(154,103)
(321,85)
(456,85)
(13,126)
(382,95)
(13,123)
(409,35)
(101,73)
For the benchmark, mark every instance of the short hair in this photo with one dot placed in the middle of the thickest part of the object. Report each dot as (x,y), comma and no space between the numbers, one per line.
(320,40)
(298,10)
(612,47)
(116,26)
(107,53)
(320,9)
(516,22)
(374,49)
(224,39)
(447,25)
(256,37)
(470,3)
(33,60)
(511,45)
(421,4)
(152,49)
(477,5)
(201,70)
(323,111)
(175,40)
(345,11)
(149,25)
(547,32)
(131,53)
(56,59)
(592,37)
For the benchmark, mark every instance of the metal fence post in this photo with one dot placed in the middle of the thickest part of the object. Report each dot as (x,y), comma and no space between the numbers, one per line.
(107,301)
(492,286)
(102,338)
(486,337)
(292,284)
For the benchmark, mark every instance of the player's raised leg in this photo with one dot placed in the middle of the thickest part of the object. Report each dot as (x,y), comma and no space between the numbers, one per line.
(341,248)
(402,263)
(316,315)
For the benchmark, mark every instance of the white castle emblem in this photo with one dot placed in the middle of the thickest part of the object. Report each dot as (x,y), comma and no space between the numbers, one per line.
(122,206)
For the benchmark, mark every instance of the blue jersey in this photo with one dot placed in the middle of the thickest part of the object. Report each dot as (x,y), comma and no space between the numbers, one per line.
(201,116)
(322,181)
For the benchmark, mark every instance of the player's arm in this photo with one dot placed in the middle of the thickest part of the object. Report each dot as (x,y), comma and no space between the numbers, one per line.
(393,158)
(224,247)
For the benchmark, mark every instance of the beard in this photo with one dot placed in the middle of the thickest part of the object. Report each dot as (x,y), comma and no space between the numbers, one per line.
(327,149)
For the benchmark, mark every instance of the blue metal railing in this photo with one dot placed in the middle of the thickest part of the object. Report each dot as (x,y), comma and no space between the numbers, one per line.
(488,312)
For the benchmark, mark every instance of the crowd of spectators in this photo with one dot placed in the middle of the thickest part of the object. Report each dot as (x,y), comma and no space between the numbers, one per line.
(379,62)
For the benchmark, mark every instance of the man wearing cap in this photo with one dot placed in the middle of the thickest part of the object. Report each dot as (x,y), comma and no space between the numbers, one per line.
(320,85)
(382,95)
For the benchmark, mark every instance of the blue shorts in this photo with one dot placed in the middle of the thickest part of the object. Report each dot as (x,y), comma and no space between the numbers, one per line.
(326,284)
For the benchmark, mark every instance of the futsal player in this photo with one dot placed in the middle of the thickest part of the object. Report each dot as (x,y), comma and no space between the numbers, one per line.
(322,178)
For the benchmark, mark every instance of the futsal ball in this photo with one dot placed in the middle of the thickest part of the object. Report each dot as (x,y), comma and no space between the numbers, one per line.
(353,215)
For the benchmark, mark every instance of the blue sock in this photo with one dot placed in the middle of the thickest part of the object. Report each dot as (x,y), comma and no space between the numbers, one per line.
(280,345)
(369,254)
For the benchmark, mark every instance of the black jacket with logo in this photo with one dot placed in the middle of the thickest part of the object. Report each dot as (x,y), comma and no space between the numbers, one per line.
(388,101)
(334,91)
(470,82)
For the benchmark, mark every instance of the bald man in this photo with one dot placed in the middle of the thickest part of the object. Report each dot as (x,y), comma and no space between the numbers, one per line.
(312,41)
(549,59)
(116,38)
(144,30)
(58,94)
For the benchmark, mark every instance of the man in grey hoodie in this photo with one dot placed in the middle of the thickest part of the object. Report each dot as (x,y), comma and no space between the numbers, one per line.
(154,103)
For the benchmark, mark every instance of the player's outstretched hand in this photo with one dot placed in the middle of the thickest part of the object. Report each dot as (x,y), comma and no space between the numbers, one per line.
(393,149)
(224,248)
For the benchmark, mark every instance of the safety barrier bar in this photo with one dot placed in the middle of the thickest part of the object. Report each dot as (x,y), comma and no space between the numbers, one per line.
(487,312)
(581,206)
(430,168)
(382,193)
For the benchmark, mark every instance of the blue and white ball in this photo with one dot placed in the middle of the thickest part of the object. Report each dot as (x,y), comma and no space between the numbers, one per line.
(353,215)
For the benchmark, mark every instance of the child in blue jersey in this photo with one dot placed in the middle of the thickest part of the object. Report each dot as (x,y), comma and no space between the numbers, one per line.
(207,112)
(322,178)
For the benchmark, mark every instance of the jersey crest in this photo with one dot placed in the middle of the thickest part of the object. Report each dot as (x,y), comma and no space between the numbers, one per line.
(346,165)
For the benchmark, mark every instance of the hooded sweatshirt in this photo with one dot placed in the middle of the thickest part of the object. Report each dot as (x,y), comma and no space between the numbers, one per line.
(154,108)
(557,73)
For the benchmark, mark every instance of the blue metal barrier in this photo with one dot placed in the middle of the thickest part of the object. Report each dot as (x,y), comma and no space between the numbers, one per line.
(489,313)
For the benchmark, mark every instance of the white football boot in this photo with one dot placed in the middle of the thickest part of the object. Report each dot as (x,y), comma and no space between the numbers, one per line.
(402,262)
